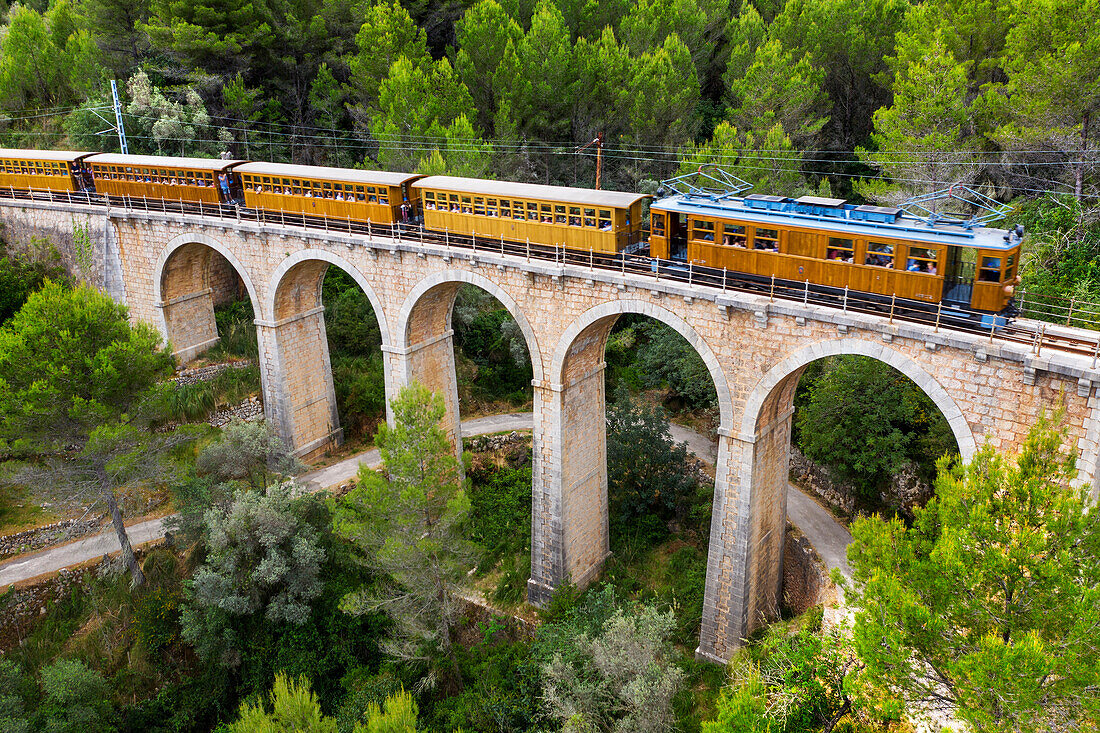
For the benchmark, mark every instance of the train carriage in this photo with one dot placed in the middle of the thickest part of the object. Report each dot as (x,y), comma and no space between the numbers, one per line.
(48,170)
(334,192)
(577,218)
(873,249)
(162,177)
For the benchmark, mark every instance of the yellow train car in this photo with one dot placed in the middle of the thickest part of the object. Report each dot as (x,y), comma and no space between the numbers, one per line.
(49,170)
(576,218)
(340,193)
(161,177)
(873,249)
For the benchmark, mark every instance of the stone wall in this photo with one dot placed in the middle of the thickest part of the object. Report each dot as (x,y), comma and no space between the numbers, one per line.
(804,575)
(51,534)
(820,482)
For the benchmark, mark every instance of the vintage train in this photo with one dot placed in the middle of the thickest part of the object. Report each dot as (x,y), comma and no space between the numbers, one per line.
(890,252)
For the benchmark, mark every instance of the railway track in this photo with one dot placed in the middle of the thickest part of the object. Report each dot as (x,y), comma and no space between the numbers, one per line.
(1038,336)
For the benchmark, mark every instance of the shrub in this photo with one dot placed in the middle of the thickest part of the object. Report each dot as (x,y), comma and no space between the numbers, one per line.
(75,699)
(500,513)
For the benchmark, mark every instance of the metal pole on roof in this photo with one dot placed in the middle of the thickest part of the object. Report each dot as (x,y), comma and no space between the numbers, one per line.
(119,127)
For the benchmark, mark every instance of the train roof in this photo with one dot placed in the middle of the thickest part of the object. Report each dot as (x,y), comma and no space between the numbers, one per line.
(352,175)
(19,154)
(506,189)
(835,215)
(163,161)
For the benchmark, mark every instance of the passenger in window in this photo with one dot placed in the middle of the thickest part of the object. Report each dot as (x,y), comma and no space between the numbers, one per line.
(931,268)
(560,219)
(607,227)
(913,265)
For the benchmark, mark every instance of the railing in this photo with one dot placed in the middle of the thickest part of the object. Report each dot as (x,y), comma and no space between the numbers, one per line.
(1074,311)
(1067,311)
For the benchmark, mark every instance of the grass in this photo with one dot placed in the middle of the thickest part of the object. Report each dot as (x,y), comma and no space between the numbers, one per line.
(190,402)
(19,510)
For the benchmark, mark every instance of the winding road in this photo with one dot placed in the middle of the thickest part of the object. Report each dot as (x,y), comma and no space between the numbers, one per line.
(828,537)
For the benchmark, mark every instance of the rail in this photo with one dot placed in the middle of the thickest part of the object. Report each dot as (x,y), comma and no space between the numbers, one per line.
(1065,312)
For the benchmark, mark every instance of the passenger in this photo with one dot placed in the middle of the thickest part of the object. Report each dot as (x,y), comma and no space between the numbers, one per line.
(309,193)
(913,266)
(931,268)
(560,219)
(606,227)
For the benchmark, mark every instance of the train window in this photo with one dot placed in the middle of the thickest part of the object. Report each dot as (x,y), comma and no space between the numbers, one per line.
(605,220)
(703,231)
(574,216)
(429,199)
(766,239)
(479,206)
(467,205)
(990,270)
(590,217)
(532,211)
(840,249)
(547,216)
(506,208)
(1009,270)
(922,259)
(880,254)
(491,207)
(734,236)
(657,227)
(559,215)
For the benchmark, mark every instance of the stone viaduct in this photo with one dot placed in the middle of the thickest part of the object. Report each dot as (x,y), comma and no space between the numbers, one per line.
(170,268)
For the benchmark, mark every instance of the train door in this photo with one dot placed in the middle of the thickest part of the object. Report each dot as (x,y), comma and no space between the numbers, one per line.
(958,281)
(677,237)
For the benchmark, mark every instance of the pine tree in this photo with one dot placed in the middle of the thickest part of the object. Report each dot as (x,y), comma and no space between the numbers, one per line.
(407,524)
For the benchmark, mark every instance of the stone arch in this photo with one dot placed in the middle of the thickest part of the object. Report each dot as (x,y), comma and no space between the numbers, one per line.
(750,554)
(793,364)
(298,367)
(569,531)
(408,316)
(184,291)
(424,345)
(318,256)
(594,325)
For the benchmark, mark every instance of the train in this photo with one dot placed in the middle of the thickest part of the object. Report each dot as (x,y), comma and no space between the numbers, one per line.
(915,253)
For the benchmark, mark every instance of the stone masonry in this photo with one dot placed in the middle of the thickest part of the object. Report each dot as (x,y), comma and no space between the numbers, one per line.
(754,349)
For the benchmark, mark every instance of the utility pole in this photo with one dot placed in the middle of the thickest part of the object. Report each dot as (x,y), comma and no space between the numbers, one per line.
(598,142)
(122,129)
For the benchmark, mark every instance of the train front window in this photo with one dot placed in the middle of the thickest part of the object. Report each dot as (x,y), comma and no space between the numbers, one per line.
(733,235)
(702,231)
(657,227)
(880,254)
(990,271)
(766,239)
(922,259)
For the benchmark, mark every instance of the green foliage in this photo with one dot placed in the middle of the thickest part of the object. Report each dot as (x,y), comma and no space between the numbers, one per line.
(236,324)
(162,126)
(488,335)
(864,419)
(613,673)
(989,602)
(647,484)
(355,341)
(197,401)
(75,699)
(408,525)
(397,715)
(46,60)
(18,279)
(387,35)
(922,139)
(500,513)
(263,558)
(763,156)
(1052,59)
(293,707)
(786,683)
(248,452)
(69,360)
(13,686)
